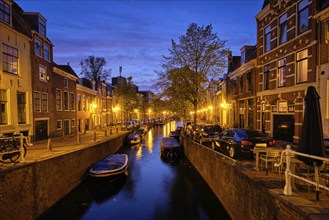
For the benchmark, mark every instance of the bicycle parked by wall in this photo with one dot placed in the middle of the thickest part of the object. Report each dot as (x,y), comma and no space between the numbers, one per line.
(11,148)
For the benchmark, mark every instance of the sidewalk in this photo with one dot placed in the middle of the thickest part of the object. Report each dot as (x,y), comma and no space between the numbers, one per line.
(62,145)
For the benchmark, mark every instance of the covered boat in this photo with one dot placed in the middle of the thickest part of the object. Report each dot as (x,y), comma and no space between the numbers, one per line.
(170,148)
(110,166)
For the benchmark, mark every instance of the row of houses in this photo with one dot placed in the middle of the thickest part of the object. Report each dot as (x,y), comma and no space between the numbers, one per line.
(38,97)
(265,85)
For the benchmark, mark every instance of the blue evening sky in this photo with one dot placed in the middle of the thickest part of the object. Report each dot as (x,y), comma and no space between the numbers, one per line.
(135,34)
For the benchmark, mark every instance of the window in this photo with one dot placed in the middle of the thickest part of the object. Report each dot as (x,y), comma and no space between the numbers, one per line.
(59,124)
(66,83)
(44,102)
(302,66)
(266,77)
(302,16)
(249,83)
(72,102)
(282,72)
(58,100)
(37,46)
(42,27)
(73,123)
(283,28)
(3,106)
(42,73)
(36,101)
(79,102)
(241,84)
(10,59)
(66,101)
(4,12)
(21,107)
(84,103)
(267,39)
(46,52)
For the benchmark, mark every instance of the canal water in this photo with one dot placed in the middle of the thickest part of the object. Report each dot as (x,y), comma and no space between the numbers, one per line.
(152,189)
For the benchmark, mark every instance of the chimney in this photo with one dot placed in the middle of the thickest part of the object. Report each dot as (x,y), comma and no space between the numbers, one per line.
(120,70)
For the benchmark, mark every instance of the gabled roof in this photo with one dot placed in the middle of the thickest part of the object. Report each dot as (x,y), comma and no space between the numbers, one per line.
(67,68)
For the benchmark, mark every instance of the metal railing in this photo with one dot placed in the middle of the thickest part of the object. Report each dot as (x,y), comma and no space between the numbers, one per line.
(288,174)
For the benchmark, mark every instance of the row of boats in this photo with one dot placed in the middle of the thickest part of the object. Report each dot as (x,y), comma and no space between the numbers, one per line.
(170,150)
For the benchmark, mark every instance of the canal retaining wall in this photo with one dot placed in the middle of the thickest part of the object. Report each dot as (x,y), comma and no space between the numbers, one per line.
(28,190)
(244,194)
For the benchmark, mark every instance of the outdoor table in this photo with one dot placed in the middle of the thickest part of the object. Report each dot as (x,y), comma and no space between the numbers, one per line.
(258,150)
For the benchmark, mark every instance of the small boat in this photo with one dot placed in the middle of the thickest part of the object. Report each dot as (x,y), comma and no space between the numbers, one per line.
(133,139)
(110,166)
(170,148)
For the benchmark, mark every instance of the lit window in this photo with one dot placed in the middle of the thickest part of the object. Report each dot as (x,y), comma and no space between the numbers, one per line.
(66,101)
(302,66)
(44,102)
(37,46)
(282,72)
(283,29)
(79,102)
(46,52)
(36,101)
(3,106)
(21,107)
(9,59)
(58,100)
(302,16)
(42,27)
(4,12)
(266,81)
(42,73)
(267,39)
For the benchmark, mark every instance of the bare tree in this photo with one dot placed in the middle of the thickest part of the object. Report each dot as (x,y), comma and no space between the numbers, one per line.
(93,68)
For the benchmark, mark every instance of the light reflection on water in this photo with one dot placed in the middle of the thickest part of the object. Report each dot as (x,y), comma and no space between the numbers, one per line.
(153,189)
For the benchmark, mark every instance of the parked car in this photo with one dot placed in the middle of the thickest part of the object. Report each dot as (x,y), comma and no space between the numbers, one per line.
(128,125)
(240,142)
(206,133)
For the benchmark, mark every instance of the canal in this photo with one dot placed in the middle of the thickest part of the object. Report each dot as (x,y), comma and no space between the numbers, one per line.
(152,189)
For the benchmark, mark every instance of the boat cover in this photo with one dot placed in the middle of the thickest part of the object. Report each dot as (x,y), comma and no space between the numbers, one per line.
(169,142)
(112,162)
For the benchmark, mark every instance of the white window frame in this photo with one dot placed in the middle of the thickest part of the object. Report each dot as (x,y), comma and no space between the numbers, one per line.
(267,32)
(59,105)
(42,73)
(37,101)
(73,122)
(44,100)
(59,124)
(9,59)
(66,101)
(299,11)
(37,47)
(282,74)
(301,60)
(46,52)
(283,29)
(72,101)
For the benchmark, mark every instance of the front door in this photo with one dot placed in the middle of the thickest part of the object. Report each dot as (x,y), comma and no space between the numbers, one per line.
(41,130)
(284,127)
(66,127)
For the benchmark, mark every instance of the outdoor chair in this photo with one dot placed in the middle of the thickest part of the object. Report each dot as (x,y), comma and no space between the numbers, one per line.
(306,172)
(270,157)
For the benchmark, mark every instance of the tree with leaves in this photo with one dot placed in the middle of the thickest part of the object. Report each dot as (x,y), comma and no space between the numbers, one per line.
(126,97)
(198,56)
(93,68)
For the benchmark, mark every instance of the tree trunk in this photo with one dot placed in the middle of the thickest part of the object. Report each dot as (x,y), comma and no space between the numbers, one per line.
(195,105)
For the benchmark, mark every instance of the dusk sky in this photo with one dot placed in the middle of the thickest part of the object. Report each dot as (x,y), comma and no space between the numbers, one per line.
(135,34)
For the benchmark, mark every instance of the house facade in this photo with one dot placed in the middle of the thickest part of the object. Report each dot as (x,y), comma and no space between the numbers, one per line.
(15,71)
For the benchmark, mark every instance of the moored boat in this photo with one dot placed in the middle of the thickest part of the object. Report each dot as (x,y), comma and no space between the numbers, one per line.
(110,166)
(170,148)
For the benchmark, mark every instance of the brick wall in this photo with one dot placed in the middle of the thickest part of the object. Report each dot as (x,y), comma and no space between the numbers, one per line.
(29,190)
(244,195)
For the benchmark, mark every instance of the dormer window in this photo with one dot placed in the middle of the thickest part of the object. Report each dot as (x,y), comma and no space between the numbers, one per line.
(4,12)
(42,27)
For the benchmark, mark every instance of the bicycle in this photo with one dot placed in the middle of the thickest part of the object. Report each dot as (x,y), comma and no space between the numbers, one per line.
(10,151)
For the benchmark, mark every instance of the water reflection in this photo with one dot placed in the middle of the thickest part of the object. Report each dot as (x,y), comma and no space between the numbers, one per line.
(152,189)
